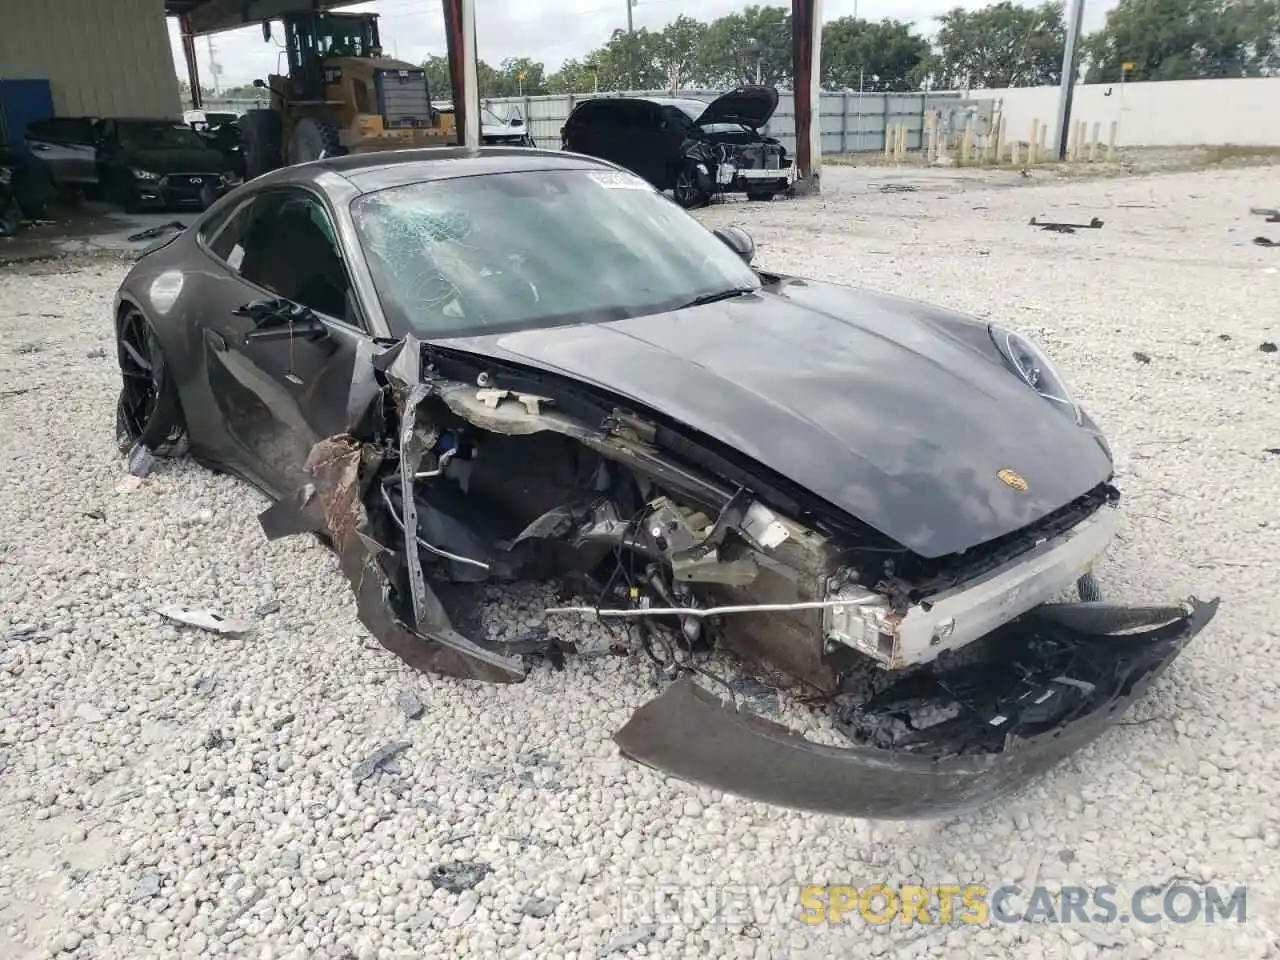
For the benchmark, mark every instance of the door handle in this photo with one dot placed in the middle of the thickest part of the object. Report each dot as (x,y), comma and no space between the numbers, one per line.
(215,340)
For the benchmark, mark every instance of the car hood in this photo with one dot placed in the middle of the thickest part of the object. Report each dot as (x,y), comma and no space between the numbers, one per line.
(896,412)
(750,106)
(177,161)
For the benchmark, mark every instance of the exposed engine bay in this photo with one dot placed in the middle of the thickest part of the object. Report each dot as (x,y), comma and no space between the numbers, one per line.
(740,160)
(952,679)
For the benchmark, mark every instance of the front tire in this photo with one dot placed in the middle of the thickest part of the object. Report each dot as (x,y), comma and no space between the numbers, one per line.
(148,410)
(314,140)
(688,191)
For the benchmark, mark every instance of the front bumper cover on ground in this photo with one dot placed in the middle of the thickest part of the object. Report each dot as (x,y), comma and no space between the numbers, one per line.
(1002,739)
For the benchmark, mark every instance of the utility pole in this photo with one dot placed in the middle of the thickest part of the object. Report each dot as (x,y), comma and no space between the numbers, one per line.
(630,26)
(215,68)
(1074,22)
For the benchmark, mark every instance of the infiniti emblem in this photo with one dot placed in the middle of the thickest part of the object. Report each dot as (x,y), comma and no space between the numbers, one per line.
(197,180)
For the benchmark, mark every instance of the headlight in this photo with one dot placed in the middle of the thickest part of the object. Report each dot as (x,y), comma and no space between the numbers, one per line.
(230,179)
(1037,370)
(5,174)
(144,174)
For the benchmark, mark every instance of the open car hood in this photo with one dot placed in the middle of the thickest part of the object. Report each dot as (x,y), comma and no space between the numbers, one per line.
(750,106)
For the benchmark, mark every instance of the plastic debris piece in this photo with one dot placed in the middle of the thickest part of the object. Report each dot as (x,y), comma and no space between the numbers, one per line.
(377,760)
(203,620)
(141,461)
(631,938)
(409,704)
(459,876)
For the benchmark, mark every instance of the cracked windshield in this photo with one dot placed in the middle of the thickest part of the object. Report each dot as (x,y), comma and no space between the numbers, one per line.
(506,251)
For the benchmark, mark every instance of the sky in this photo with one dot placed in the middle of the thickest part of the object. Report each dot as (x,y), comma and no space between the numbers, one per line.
(560,30)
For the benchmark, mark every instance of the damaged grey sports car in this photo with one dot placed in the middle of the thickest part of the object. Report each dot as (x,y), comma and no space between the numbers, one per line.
(468,367)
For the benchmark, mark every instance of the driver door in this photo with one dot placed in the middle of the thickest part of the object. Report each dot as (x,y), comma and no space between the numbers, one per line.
(280,396)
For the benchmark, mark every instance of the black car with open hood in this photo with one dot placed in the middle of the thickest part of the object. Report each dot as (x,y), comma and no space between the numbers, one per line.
(695,149)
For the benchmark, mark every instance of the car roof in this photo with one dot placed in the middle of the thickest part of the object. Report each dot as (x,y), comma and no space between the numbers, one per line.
(393,168)
(660,101)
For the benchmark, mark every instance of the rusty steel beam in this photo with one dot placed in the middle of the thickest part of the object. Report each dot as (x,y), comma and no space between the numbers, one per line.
(806,52)
(189,54)
(460,37)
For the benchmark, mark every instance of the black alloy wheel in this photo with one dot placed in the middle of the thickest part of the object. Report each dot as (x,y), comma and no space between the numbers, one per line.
(148,410)
(687,191)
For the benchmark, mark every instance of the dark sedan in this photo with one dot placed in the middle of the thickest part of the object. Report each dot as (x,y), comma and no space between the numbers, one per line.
(147,164)
(510,364)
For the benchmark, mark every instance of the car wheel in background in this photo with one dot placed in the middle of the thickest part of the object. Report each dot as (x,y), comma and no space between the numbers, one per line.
(760,196)
(314,140)
(148,410)
(260,136)
(10,217)
(687,190)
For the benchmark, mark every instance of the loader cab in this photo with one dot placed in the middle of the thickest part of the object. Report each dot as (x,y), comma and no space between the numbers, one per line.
(312,38)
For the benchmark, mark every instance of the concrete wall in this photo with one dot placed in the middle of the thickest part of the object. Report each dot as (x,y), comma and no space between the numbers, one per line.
(1173,113)
(103,58)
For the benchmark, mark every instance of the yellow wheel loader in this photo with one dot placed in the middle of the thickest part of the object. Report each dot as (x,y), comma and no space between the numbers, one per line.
(341,95)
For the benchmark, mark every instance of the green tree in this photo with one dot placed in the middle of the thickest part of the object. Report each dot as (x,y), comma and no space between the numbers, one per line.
(1001,45)
(523,76)
(439,84)
(574,76)
(681,41)
(741,46)
(884,56)
(1186,40)
(632,61)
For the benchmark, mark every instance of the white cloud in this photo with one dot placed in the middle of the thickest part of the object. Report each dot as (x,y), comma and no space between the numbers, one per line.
(560,29)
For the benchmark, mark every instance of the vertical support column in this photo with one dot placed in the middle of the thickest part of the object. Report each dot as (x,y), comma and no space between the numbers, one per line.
(1075,21)
(189,54)
(806,49)
(460,37)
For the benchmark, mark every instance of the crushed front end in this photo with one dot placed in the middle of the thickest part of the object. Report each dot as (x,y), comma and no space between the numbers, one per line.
(1049,683)
(955,679)
(748,164)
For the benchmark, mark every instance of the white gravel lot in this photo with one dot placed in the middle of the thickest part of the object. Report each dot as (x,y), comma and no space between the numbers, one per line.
(166,792)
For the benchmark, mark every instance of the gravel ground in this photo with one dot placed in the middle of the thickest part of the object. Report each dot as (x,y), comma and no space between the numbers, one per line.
(167,792)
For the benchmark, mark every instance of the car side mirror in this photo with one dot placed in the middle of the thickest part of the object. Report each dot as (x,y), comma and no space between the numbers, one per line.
(260,83)
(739,241)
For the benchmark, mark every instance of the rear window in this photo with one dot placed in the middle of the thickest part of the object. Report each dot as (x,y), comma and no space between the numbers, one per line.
(72,129)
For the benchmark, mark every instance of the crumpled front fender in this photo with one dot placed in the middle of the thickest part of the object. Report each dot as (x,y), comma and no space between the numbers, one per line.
(688,733)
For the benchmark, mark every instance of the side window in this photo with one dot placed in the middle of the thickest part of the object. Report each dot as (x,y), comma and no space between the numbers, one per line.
(288,247)
(675,118)
(225,235)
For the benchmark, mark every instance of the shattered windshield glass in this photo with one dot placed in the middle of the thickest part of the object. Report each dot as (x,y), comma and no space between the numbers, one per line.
(530,249)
